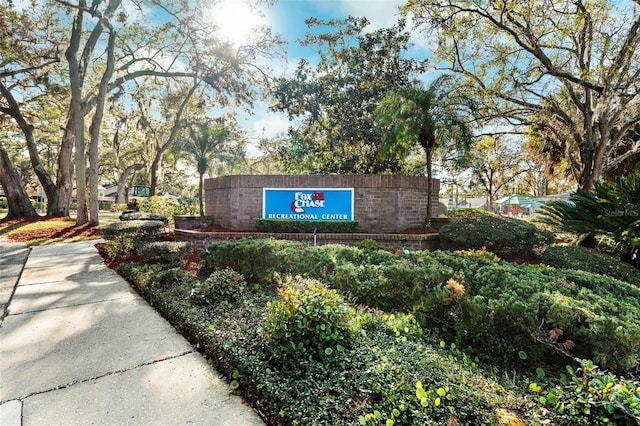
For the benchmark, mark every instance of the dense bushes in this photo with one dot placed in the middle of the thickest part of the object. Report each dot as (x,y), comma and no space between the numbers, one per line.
(254,259)
(467,212)
(611,209)
(506,237)
(350,340)
(493,308)
(166,251)
(222,286)
(388,373)
(308,226)
(308,321)
(584,259)
(372,378)
(128,236)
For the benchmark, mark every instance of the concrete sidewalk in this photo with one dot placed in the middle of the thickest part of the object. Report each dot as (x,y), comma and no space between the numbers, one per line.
(78,346)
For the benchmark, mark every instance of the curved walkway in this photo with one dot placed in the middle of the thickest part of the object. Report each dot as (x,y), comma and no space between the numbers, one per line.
(78,346)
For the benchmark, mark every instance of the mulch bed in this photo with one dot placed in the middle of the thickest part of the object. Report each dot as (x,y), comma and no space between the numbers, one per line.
(71,231)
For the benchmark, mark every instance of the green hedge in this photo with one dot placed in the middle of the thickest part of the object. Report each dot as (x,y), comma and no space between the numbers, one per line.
(128,236)
(133,227)
(468,212)
(166,251)
(391,373)
(503,236)
(584,259)
(131,215)
(305,226)
(493,308)
(254,259)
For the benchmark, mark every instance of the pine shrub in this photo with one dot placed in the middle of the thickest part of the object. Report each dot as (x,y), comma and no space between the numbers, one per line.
(505,237)
(585,259)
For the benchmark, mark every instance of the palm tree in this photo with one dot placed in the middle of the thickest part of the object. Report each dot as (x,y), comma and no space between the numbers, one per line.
(205,142)
(432,118)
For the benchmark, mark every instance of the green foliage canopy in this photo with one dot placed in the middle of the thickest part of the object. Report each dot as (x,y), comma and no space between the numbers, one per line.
(336,100)
(565,71)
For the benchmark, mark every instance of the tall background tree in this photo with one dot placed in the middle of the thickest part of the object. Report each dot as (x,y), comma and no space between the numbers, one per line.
(203,143)
(334,101)
(109,51)
(567,71)
(18,201)
(495,165)
(430,118)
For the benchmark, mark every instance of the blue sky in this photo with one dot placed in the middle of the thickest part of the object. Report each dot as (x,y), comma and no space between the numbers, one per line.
(287,17)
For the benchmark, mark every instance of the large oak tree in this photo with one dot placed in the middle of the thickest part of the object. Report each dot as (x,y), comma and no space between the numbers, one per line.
(108,49)
(567,71)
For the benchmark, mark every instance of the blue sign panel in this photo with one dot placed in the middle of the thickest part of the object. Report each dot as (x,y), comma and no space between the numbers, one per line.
(307,203)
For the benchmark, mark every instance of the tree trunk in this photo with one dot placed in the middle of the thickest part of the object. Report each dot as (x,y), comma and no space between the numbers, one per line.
(59,203)
(17,197)
(96,124)
(155,175)
(121,196)
(200,194)
(76,116)
(427,219)
(27,129)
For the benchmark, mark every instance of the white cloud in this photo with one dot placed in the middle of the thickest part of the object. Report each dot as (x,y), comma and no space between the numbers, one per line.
(264,124)
(270,124)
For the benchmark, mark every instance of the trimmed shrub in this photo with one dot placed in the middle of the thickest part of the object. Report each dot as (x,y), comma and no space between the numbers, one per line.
(391,373)
(131,215)
(223,286)
(584,259)
(494,308)
(128,236)
(146,276)
(393,285)
(166,251)
(309,320)
(254,259)
(468,212)
(305,226)
(506,237)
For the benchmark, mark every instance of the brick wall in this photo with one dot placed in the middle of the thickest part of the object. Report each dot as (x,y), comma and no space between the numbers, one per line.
(382,203)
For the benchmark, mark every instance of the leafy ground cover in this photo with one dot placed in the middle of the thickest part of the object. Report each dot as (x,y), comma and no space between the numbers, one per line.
(311,351)
(345,344)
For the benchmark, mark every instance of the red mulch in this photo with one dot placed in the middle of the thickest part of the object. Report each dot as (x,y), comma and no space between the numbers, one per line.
(70,231)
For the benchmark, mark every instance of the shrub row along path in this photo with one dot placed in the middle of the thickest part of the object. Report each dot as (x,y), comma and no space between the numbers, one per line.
(79,346)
